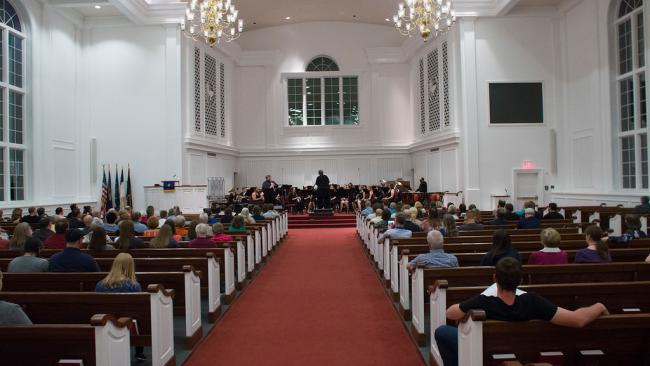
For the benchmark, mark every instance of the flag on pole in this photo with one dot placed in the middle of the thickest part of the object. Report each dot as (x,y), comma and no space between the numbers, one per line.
(122,189)
(117,190)
(129,193)
(109,191)
(104,190)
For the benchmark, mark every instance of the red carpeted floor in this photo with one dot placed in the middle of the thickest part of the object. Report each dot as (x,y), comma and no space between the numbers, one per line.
(316,302)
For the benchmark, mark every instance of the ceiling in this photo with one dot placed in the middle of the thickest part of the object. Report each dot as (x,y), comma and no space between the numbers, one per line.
(539,2)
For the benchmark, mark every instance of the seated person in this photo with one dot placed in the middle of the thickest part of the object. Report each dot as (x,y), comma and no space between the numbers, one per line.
(530,221)
(31,217)
(507,305)
(501,218)
(164,238)
(553,213)
(98,241)
(596,250)
(449,228)
(377,217)
(248,218)
(269,212)
(501,248)
(181,230)
(644,207)
(398,231)
(22,232)
(633,226)
(127,238)
(551,253)
(257,213)
(432,221)
(219,235)
(227,216)
(72,259)
(436,256)
(368,209)
(44,230)
(153,225)
(471,222)
(57,240)
(10,313)
(138,226)
(110,226)
(238,225)
(121,278)
(162,218)
(29,261)
(203,237)
(510,213)
(383,222)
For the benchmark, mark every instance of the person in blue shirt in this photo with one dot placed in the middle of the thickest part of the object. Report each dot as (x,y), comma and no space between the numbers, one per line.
(644,207)
(368,210)
(72,259)
(436,256)
(398,232)
(257,213)
(138,227)
(530,221)
(110,226)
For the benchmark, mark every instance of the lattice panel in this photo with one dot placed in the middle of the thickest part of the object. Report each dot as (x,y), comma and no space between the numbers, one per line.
(197,89)
(434,90)
(423,115)
(222,99)
(445,84)
(210,96)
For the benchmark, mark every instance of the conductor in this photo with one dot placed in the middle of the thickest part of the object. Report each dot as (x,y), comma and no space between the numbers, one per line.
(423,186)
(269,187)
(322,190)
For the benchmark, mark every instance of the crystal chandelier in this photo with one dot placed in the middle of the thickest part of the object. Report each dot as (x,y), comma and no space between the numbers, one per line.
(212,21)
(424,16)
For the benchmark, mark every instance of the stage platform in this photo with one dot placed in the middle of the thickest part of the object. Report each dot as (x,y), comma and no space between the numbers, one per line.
(321,221)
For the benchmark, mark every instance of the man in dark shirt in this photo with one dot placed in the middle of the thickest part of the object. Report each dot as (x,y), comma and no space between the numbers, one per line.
(75,221)
(322,190)
(268,187)
(43,232)
(510,213)
(530,221)
(72,259)
(32,217)
(423,186)
(501,218)
(509,305)
(644,207)
(552,213)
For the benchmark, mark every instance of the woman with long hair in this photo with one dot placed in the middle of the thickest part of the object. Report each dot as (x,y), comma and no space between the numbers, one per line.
(432,222)
(16,215)
(501,248)
(164,238)
(98,242)
(127,239)
(597,250)
(22,232)
(248,218)
(449,228)
(238,225)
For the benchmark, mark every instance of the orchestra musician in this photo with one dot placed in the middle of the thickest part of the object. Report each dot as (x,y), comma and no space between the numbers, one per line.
(423,186)
(322,190)
(257,195)
(269,188)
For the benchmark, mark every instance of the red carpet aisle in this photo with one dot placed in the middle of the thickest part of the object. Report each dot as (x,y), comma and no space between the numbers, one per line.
(317,302)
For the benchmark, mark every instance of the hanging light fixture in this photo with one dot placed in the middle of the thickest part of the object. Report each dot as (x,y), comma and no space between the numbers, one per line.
(424,16)
(212,21)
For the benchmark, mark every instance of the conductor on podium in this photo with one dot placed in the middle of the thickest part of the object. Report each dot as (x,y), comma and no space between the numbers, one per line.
(269,188)
(322,190)
(423,186)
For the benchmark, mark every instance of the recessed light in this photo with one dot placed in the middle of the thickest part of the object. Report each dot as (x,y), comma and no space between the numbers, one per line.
(288,18)
(388,20)
(98,7)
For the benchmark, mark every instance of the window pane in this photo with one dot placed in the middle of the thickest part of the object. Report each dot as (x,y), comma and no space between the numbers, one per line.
(644,160)
(332,104)
(2,55)
(627,104)
(15,60)
(625,47)
(2,174)
(17,174)
(642,97)
(15,117)
(314,108)
(294,93)
(350,101)
(628,162)
(640,40)
(2,114)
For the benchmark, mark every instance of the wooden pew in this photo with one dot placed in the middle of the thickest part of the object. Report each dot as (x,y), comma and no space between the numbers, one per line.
(622,339)
(153,311)
(618,297)
(104,341)
(413,298)
(186,284)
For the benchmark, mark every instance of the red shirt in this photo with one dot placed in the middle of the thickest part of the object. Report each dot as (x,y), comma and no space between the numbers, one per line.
(202,243)
(55,241)
(548,258)
(222,237)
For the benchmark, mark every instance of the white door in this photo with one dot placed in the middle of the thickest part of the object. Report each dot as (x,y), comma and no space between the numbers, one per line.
(527,186)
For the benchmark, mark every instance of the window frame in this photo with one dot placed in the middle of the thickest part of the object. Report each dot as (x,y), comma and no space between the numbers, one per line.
(322,75)
(635,73)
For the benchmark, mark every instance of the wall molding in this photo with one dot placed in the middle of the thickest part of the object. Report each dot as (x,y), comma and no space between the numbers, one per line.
(200,144)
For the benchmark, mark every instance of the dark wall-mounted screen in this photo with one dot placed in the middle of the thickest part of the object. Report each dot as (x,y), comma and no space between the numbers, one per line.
(516,103)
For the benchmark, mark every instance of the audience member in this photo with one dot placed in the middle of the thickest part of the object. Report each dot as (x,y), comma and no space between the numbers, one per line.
(510,213)
(72,259)
(238,225)
(179,221)
(501,248)
(383,222)
(501,218)
(153,225)
(633,229)
(644,207)
(409,224)
(551,253)
(508,306)
(73,208)
(10,313)
(127,238)
(138,226)
(451,210)
(58,213)
(87,221)
(269,212)
(530,221)
(436,256)
(98,240)
(44,231)
(248,218)
(16,215)
(596,250)
(162,219)
(415,215)
(110,226)
(203,237)
(449,228)
(377,216)
(164,238)
(368,209)
(553,213)
(204,218)
(432,222)
(22,232)
(31,217)
(398,231)
(227,216)
(40,212)
(219,234)
(191,230)
(471,222)
(57,240)
(29,261)
(172,226)
(74,219)
(257,213)
(149,213)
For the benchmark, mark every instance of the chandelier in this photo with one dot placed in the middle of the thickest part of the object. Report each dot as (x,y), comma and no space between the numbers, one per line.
(212,21)
(424,16)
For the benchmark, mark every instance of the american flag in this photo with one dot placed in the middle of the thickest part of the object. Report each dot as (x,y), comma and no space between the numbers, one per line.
(104,190)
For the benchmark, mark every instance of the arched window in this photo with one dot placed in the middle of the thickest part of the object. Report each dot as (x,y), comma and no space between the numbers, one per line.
(322,63)
(13,144)
(632,122)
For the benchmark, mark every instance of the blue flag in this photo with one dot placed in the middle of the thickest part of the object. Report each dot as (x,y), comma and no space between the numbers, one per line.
(117,190)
